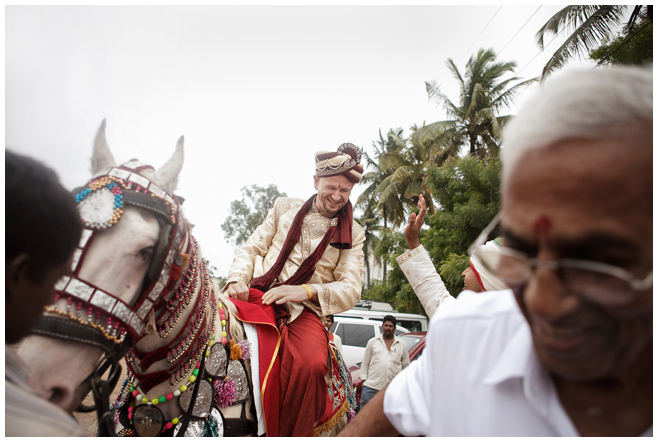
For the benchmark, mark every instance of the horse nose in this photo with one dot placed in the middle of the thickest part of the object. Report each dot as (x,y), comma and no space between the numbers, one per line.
(61,396)
(57,393)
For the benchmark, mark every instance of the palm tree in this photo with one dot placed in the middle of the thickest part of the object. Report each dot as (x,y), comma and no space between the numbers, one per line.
(474,120)
(407,181)
(386,160)
(591,25)
(370,222)
(383,164)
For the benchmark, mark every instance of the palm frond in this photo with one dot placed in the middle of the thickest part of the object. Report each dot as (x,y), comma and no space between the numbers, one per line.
(569,17)
(594,29)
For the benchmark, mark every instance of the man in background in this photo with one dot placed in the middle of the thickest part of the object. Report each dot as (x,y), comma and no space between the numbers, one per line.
(328,321)
(385,357)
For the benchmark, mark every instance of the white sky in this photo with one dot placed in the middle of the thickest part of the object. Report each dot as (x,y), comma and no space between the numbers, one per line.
(256,90)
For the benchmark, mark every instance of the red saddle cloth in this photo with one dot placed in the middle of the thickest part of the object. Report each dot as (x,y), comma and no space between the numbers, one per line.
(269,367)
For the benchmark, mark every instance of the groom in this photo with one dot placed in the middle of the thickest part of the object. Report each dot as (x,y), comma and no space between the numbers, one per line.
(305,261)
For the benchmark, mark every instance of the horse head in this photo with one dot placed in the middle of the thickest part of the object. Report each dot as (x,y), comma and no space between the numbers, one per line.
(135,244)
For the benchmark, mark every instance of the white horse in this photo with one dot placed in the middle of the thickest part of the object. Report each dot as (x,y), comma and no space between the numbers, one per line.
(140,285)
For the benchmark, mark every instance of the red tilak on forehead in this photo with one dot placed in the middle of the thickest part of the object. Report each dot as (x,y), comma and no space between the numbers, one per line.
(542,225)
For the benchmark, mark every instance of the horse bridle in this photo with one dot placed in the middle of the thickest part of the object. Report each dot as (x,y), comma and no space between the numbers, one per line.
(110,190)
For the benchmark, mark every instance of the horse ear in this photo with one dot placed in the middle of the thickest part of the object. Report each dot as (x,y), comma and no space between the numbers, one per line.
(167,175)
(101,157)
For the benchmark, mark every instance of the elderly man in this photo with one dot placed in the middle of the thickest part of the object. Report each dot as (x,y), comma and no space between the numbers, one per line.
(568,350)
(307,260)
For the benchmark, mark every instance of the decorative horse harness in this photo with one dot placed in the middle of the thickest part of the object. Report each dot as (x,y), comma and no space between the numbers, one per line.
(95,317)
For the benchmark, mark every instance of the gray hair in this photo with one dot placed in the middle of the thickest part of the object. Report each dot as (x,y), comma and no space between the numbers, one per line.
(580,104)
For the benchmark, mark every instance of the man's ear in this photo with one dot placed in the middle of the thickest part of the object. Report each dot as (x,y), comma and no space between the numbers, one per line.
(16,275)
(316,182)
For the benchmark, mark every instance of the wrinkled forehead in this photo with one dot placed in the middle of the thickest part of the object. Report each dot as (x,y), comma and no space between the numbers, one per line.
(581,185)
(338,181)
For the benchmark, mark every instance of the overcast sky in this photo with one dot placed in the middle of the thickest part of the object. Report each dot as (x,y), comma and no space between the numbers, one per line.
(255,90)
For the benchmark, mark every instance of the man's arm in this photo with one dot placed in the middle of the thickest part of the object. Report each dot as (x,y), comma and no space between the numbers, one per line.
(371,420)
(345,291)
(419,268)
(241,271)
(405,355)
(332,297)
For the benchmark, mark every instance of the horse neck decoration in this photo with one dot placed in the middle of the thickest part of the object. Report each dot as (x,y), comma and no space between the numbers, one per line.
(139,285)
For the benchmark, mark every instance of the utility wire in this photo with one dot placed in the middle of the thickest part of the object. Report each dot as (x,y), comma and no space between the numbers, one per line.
(517,32)
(485,27)
(625,41)
(542,50)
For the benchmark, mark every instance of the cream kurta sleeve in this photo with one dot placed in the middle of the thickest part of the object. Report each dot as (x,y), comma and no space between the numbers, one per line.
(424,279)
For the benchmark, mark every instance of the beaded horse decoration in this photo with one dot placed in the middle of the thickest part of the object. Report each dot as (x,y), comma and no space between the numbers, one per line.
(177,305)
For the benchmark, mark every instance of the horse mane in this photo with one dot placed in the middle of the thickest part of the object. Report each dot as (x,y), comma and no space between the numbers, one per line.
(235,329)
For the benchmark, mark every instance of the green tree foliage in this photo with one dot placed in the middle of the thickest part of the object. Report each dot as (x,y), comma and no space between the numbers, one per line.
(466,193)
(212,270)
(249,212)
(589,27)
(634,46)
(474,121)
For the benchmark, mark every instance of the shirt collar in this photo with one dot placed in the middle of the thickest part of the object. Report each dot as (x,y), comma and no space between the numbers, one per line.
(519,361)
(395,338)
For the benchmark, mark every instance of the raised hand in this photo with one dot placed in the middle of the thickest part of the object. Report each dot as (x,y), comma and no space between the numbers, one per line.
(415,223)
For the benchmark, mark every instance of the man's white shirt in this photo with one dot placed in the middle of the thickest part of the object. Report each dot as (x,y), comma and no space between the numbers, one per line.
(478,376)
(380,365)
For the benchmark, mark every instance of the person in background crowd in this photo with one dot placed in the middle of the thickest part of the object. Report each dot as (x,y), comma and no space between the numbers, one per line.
(328,321)
(385,357)
(425,281)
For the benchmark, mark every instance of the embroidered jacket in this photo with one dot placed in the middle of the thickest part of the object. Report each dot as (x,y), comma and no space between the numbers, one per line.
(338,274)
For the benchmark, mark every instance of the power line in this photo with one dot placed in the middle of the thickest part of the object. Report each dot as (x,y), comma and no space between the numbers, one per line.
(625,41)
(542,50)
(485,27)
(517,32)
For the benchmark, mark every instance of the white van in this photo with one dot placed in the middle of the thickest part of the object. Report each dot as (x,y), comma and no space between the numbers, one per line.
(355,333)
(409,321)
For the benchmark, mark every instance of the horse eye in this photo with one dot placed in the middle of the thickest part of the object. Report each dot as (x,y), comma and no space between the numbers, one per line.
(146,253)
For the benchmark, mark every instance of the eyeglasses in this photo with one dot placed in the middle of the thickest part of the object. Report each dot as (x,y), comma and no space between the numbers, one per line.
(601,283)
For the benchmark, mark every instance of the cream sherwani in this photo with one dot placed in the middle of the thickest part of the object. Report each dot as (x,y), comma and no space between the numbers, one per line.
(338,274)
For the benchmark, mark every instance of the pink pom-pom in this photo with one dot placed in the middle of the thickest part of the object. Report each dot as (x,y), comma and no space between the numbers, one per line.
(246,349)
(168,426)
(224,341)
(170,396)
(225,393)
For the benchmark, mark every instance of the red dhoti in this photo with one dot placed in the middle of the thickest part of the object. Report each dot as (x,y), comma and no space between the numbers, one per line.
(303,389)
(299,369)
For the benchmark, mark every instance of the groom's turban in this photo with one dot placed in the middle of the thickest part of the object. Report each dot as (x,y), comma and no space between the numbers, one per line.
(346,161)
